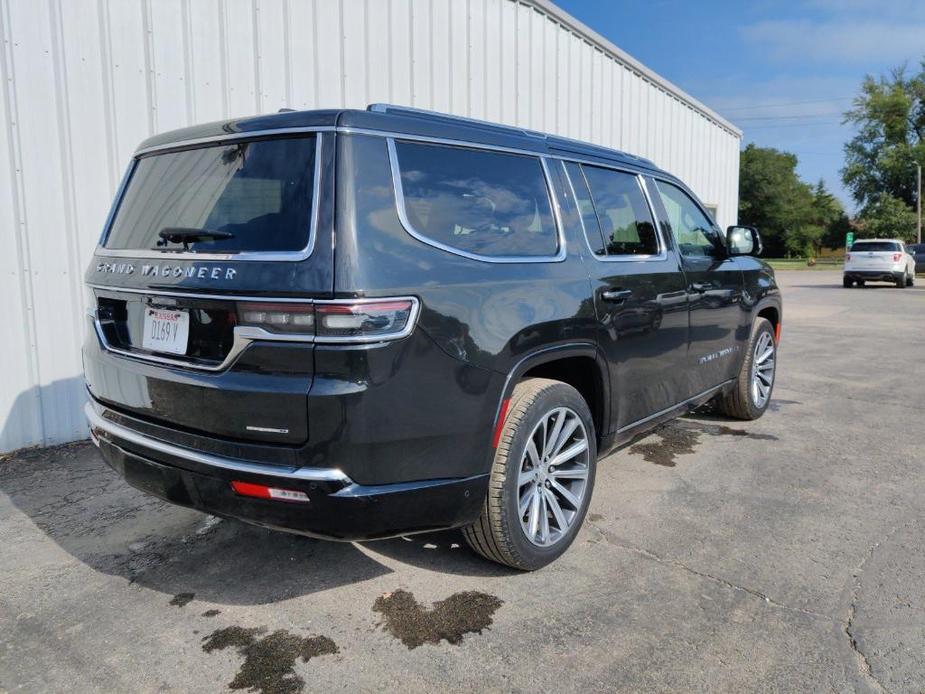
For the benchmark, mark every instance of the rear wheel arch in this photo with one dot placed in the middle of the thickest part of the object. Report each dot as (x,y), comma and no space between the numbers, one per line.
(579,365)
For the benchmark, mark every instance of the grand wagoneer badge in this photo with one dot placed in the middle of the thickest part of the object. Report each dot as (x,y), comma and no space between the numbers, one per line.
(213,272)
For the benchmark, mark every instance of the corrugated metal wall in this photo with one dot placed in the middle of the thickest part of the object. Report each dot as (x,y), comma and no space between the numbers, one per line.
(83,81)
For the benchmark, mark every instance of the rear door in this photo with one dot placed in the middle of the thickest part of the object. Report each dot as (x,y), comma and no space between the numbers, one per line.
(719,323)
(203,282)
(639,292)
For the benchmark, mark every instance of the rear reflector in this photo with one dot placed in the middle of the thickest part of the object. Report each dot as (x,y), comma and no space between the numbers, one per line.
(499,425)
(261,491)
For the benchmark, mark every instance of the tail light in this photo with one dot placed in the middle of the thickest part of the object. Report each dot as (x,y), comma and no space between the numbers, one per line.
(364,320)
(897,257)
(278,318)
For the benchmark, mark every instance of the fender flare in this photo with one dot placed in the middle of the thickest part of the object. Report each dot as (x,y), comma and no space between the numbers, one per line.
(554,353)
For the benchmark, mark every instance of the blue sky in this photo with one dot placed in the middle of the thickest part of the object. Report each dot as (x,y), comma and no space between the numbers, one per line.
(784,72)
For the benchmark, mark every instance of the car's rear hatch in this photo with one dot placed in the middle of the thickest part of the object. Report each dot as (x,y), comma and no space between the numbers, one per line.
(874,256)
(202,288)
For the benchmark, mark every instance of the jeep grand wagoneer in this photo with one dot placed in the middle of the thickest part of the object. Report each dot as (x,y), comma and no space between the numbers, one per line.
(361,324)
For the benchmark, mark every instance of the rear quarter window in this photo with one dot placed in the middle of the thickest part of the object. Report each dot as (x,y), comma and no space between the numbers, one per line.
(480,202)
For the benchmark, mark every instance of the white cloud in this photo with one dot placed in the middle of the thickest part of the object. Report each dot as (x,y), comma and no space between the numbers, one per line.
(841,41)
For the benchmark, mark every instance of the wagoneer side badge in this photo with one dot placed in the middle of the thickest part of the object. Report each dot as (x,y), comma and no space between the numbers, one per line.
(213,272)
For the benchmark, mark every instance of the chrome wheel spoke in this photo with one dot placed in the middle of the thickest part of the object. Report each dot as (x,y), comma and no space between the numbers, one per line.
(553,436)
(526,477)
(572,473)
(532,453)
(525,500)
(575,449)
(534,515)
(570,498)
(556,509)
(567,430)
(544,518)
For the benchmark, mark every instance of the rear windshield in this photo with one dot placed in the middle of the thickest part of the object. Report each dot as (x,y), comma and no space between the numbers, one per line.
(483,202)
(253,196)
(875,247)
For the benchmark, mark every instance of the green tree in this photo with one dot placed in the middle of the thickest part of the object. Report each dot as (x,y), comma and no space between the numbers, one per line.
(887,217)
(773,198)
(889,115)
(793,217)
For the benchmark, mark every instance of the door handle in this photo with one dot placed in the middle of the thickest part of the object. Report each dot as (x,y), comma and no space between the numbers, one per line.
(617,296)
(700,287)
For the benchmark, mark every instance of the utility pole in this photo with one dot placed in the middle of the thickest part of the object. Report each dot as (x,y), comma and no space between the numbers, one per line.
(918,202)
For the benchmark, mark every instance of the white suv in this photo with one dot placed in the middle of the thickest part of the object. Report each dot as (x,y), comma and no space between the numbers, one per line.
(879,260)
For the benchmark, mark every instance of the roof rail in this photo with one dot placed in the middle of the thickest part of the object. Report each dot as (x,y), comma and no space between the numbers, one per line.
(450,118)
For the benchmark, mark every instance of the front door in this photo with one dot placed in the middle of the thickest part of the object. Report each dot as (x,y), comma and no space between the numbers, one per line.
(640,295)
(719,323)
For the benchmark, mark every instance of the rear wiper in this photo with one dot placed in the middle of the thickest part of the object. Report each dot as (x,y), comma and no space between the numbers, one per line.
(188,235)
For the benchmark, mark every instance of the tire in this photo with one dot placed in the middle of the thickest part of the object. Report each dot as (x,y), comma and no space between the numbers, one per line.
(901,281)
(742,402)
(501,533)
(910,280)
(846,283)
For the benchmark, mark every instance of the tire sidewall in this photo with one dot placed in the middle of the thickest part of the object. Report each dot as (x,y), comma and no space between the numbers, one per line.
(558,395)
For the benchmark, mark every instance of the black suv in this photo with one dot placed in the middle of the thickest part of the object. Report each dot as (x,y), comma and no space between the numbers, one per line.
(360,324)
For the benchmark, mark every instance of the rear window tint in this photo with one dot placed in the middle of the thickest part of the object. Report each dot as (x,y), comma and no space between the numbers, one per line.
(259,192)
(875,247)
(482,202)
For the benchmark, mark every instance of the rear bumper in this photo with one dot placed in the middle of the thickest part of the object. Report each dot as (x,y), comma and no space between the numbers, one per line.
(337,508)
(874,275)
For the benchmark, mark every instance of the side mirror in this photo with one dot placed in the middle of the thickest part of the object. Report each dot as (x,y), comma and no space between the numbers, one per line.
(743,240)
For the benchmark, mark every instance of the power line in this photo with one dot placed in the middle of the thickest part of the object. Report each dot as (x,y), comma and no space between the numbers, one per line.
(789,103)
(794,117)
(792,125)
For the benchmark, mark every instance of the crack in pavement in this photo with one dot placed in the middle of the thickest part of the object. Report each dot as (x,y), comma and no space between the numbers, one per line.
(615,541)
(863,664)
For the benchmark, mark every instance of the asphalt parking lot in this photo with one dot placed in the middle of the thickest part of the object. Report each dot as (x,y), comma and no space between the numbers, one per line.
(784,554)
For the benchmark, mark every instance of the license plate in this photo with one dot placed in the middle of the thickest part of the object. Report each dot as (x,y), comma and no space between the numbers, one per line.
(166,331)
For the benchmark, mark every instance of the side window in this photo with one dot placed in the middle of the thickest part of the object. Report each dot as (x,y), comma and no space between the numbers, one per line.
(477,201)
(622,211)
(693,231)
(586,208)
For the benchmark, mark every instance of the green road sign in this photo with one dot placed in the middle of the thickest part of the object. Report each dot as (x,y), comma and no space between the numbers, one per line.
(849,239)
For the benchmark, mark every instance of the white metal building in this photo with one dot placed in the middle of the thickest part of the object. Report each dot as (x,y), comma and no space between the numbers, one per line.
(83,81)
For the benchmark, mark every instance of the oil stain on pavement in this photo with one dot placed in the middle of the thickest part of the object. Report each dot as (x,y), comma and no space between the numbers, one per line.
(269,661)
(680,437)
(182,599)
(449,620)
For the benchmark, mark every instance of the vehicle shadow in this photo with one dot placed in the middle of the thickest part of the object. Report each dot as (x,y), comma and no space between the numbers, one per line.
(86,509)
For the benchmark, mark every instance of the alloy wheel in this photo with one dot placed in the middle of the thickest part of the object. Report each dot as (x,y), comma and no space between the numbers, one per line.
(762,370)
(553,476)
